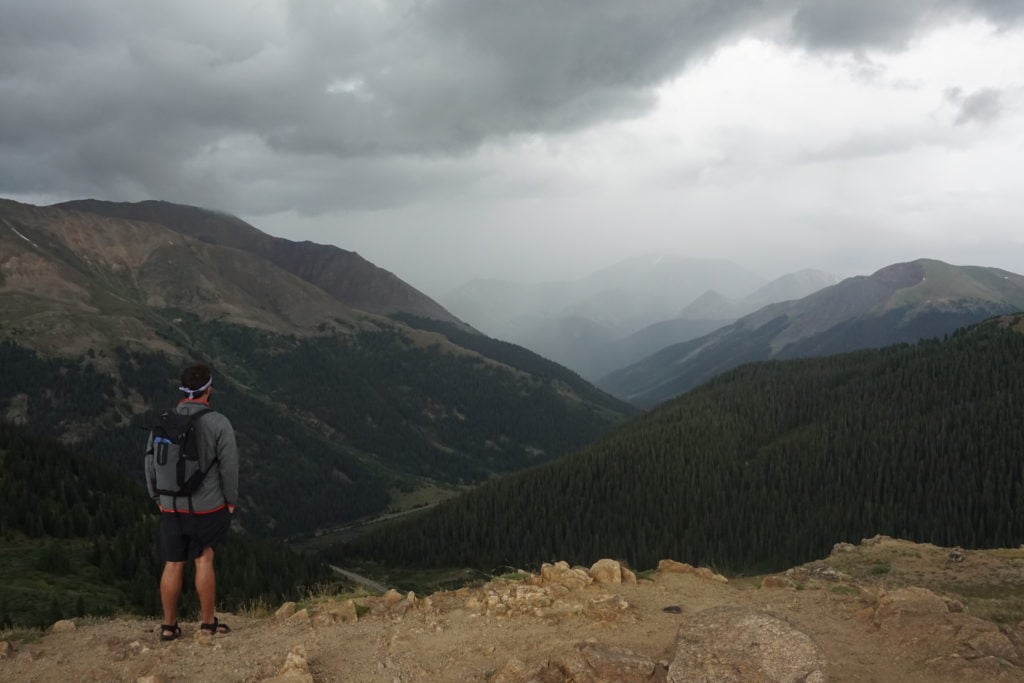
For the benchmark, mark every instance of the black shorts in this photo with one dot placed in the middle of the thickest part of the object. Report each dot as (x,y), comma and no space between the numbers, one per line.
(184,536)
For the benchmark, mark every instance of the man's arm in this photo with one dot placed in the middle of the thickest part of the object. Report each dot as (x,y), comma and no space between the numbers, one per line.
(227,461)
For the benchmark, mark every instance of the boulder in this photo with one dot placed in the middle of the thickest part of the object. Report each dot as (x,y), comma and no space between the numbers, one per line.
(562,574)
(286,610)
(302,616)
(392,597)
(606,572)
(5,649)
(843,548)
(731,645)
(63,626)
(628,576)
(344,611)
(673,567)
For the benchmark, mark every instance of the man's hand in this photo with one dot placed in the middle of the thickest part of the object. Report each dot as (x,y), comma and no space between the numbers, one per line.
(231,508)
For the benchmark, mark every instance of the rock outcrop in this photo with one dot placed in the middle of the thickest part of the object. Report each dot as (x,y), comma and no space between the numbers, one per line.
(734,645)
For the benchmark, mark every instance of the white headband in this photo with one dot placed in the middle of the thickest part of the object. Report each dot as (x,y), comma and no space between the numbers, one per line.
(192,393)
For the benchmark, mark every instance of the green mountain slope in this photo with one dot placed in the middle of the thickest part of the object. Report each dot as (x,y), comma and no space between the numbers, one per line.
(766,467)
(901,303)
(337,410)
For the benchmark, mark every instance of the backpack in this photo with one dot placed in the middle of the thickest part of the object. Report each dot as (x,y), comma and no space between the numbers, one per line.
(176,454)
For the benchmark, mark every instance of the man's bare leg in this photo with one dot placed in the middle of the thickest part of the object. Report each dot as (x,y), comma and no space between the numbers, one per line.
(206,586)
(170,592)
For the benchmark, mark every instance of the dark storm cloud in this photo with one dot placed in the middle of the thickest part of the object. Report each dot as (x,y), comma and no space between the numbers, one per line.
(858,24)
(268,104)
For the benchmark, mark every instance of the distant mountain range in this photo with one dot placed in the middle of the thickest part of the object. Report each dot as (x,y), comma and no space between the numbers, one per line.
(770,463)
(340,411)
(617,315)
(901,303)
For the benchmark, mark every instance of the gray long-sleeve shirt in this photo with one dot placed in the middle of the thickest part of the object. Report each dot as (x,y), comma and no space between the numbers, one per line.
(216,440)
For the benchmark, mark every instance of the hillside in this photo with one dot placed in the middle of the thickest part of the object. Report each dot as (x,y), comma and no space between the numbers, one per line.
(344,275)
(883,610)
(901,303)
(764,466)
(98,314)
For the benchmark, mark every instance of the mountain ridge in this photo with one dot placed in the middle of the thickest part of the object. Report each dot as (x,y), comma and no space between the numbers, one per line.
(899,303)
(343,274)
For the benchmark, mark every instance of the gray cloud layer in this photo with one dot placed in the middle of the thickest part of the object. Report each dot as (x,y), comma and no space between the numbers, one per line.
(261,107)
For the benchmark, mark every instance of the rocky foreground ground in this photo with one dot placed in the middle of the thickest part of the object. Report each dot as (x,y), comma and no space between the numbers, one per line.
(883,610)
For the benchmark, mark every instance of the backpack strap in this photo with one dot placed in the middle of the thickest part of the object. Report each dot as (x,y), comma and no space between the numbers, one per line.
(193,418)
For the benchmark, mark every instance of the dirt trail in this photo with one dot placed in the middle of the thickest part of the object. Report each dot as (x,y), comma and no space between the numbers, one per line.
(854,606)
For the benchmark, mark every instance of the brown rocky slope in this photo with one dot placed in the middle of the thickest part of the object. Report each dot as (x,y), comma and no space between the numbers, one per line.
(883,610)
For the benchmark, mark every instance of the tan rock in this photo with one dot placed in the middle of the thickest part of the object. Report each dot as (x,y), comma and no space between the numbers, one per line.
(392,597)
(843,548)
(628,576)
(295,669)
(732,645)
(705,573)
(562,574)
(345,611)
(606,572)
(63,626)
(5,649)
(152,678)
(301,616)
(286,610)
(673,567)
(322,619)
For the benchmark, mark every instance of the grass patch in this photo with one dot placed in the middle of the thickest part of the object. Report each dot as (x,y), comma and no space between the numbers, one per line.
(880,568)
(843,589)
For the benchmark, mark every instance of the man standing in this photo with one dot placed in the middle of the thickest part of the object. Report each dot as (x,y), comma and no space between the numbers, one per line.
(191,526)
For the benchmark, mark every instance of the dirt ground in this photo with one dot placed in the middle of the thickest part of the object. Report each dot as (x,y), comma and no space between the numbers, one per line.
(854,605)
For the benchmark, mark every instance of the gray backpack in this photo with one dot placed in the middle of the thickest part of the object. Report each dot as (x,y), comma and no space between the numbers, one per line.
(176,454)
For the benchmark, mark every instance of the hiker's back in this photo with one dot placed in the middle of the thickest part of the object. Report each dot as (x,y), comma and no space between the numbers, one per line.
(213,441)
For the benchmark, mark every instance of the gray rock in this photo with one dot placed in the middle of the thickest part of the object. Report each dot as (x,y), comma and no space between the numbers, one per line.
(732,645)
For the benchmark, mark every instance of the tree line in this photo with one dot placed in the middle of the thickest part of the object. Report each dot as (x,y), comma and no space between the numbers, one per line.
(765,467)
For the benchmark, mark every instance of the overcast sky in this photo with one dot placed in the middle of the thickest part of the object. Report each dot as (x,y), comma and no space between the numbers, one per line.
(529,139)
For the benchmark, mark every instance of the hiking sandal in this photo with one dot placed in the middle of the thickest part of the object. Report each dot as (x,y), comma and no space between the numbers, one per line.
(215,627)
(175,631)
